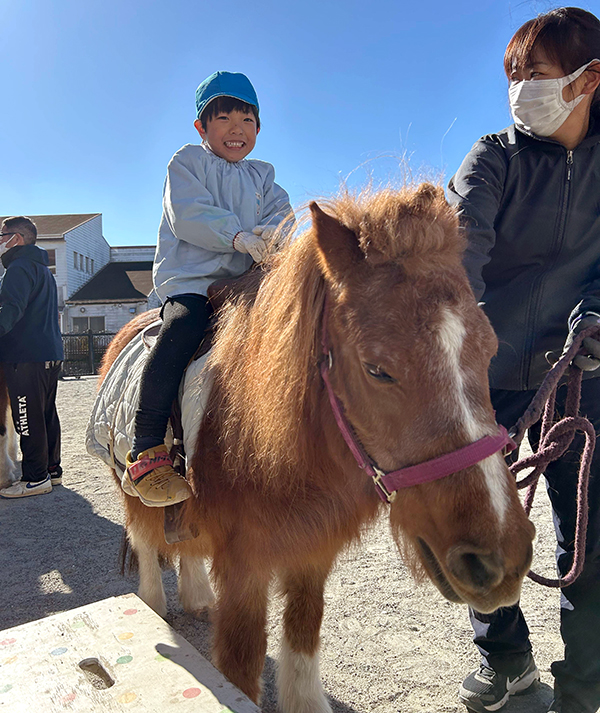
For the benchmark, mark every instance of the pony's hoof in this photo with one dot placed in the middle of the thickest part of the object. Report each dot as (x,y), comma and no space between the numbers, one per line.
(198,605)
(158,603)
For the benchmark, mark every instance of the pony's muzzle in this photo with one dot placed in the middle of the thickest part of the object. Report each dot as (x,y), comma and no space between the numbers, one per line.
(478,572)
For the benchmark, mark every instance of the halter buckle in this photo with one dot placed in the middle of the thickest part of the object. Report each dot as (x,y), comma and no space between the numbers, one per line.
(383,492)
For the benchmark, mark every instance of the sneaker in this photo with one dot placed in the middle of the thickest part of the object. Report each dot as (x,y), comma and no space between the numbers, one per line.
(486,690)
(154,479)
(55,475)
(23,488)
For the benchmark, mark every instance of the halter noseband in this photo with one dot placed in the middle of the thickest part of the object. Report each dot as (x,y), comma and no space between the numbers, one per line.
(387,484)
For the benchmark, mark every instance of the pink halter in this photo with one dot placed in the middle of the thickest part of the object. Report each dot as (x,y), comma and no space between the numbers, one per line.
(387,484)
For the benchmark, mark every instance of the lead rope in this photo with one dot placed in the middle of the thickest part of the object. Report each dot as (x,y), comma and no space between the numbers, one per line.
(555,439)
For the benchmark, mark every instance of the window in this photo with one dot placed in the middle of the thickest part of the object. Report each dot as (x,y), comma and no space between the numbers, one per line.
(52,261)
(92,265)
(75,261)
(80,324)
(87,264)
(97,324)
(83,324)
(81,262)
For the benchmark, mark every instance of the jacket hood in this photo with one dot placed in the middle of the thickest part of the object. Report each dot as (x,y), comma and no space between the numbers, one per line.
(29,252)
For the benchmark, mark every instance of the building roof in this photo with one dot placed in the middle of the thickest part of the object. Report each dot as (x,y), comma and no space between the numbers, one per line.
(58,224)
(117,282)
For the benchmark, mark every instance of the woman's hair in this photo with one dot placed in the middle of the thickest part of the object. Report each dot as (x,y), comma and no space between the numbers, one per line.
(225,105)
(569,36)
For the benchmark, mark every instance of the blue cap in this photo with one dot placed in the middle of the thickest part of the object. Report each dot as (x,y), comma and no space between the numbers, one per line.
(225,84)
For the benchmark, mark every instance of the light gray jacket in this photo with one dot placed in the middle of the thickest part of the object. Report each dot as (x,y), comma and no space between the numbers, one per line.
(206,201)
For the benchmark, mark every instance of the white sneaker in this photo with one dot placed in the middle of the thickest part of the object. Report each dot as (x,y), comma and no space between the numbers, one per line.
(22,489)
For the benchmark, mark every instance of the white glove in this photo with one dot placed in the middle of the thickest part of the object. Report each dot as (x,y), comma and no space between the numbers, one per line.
(265,231)
(254,245)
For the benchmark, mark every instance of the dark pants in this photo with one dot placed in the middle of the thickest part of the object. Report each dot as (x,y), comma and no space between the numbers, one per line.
(503,637)
(185,318)
(32,393)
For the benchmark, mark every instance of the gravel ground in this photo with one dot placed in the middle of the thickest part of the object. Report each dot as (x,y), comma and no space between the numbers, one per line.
(387,644)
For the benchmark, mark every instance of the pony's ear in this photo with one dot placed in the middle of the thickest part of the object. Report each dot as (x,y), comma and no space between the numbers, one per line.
(338,245)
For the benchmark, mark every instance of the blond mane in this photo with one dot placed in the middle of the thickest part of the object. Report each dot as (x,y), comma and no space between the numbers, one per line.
(266,353)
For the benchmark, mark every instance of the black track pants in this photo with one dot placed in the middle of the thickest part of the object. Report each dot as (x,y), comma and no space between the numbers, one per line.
(32,391)
(185,318)
(503,637)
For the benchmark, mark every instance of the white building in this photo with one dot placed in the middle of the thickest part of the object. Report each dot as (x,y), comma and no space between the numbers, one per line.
(76,250)
(99,287)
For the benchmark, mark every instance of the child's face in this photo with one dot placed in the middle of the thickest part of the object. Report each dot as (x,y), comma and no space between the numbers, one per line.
(230,135)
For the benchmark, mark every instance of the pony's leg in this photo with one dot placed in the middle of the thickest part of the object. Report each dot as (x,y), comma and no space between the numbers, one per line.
(151,588)
(8,450)
(195,592)
(298,680)
(240,640)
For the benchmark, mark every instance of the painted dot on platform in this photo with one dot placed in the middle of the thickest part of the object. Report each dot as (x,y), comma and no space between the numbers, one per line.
(78,624)
(127,697)
(7,642)
(10,659)
(69,697)
(6,688)
(191,693)
(125,659)
(58,652)
(126,635)
(162,657)
(130,612)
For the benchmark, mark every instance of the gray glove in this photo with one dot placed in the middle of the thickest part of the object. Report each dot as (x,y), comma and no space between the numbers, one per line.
(590,359)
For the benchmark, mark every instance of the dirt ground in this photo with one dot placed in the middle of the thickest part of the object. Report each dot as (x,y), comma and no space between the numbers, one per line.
(387,645)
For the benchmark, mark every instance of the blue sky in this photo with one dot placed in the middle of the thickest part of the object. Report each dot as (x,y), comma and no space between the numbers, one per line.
(98,94)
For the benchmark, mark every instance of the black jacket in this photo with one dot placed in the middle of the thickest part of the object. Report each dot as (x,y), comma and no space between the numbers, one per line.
(29,329)
(531,210)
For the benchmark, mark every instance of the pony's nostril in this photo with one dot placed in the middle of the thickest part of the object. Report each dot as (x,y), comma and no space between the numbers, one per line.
(476,570)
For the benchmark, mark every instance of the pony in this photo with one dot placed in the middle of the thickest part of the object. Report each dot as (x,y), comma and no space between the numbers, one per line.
(376,288)
(8,438)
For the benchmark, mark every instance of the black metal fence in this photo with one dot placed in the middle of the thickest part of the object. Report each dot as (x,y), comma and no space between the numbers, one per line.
(84,352)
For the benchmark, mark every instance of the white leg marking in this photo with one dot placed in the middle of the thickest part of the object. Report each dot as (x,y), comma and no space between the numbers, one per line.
(195,592)
(299,684)
(8,453)
(151,588)
(451,336)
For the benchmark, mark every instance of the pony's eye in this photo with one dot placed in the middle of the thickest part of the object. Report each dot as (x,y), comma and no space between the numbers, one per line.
(377,373)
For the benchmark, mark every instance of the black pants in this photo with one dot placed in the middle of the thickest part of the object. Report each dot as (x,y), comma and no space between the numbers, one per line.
(32,392)
(185,318)
(503,636)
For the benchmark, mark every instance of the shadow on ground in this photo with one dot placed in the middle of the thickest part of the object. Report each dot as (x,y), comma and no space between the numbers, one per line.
(56,554)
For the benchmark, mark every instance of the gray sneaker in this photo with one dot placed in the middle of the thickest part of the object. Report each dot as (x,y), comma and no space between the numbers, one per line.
(23,489)
(486,691)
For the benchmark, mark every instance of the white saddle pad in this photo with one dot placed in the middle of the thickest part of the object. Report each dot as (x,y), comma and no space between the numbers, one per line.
(110,429)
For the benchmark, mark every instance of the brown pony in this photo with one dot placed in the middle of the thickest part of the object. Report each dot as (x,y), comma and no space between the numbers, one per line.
(277,491)
(8,438)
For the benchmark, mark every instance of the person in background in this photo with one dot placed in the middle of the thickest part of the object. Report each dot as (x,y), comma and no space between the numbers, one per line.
(530,203)
(31,354)
(220,211)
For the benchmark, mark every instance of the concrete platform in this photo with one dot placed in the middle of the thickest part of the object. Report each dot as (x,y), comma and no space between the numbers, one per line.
(113,655)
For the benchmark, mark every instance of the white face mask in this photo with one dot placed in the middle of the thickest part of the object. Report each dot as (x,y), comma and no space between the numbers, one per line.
(537,105)
(5,247)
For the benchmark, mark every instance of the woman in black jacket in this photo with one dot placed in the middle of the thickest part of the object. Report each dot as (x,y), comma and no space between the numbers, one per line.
(529,198)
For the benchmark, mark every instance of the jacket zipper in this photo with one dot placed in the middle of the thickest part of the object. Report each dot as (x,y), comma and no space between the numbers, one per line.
(559,243)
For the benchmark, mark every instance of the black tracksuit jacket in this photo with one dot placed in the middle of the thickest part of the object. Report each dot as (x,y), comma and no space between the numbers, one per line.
(29,329)
(531,211)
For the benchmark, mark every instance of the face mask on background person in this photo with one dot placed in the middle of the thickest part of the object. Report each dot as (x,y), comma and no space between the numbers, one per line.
(537,105)
(5,247)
